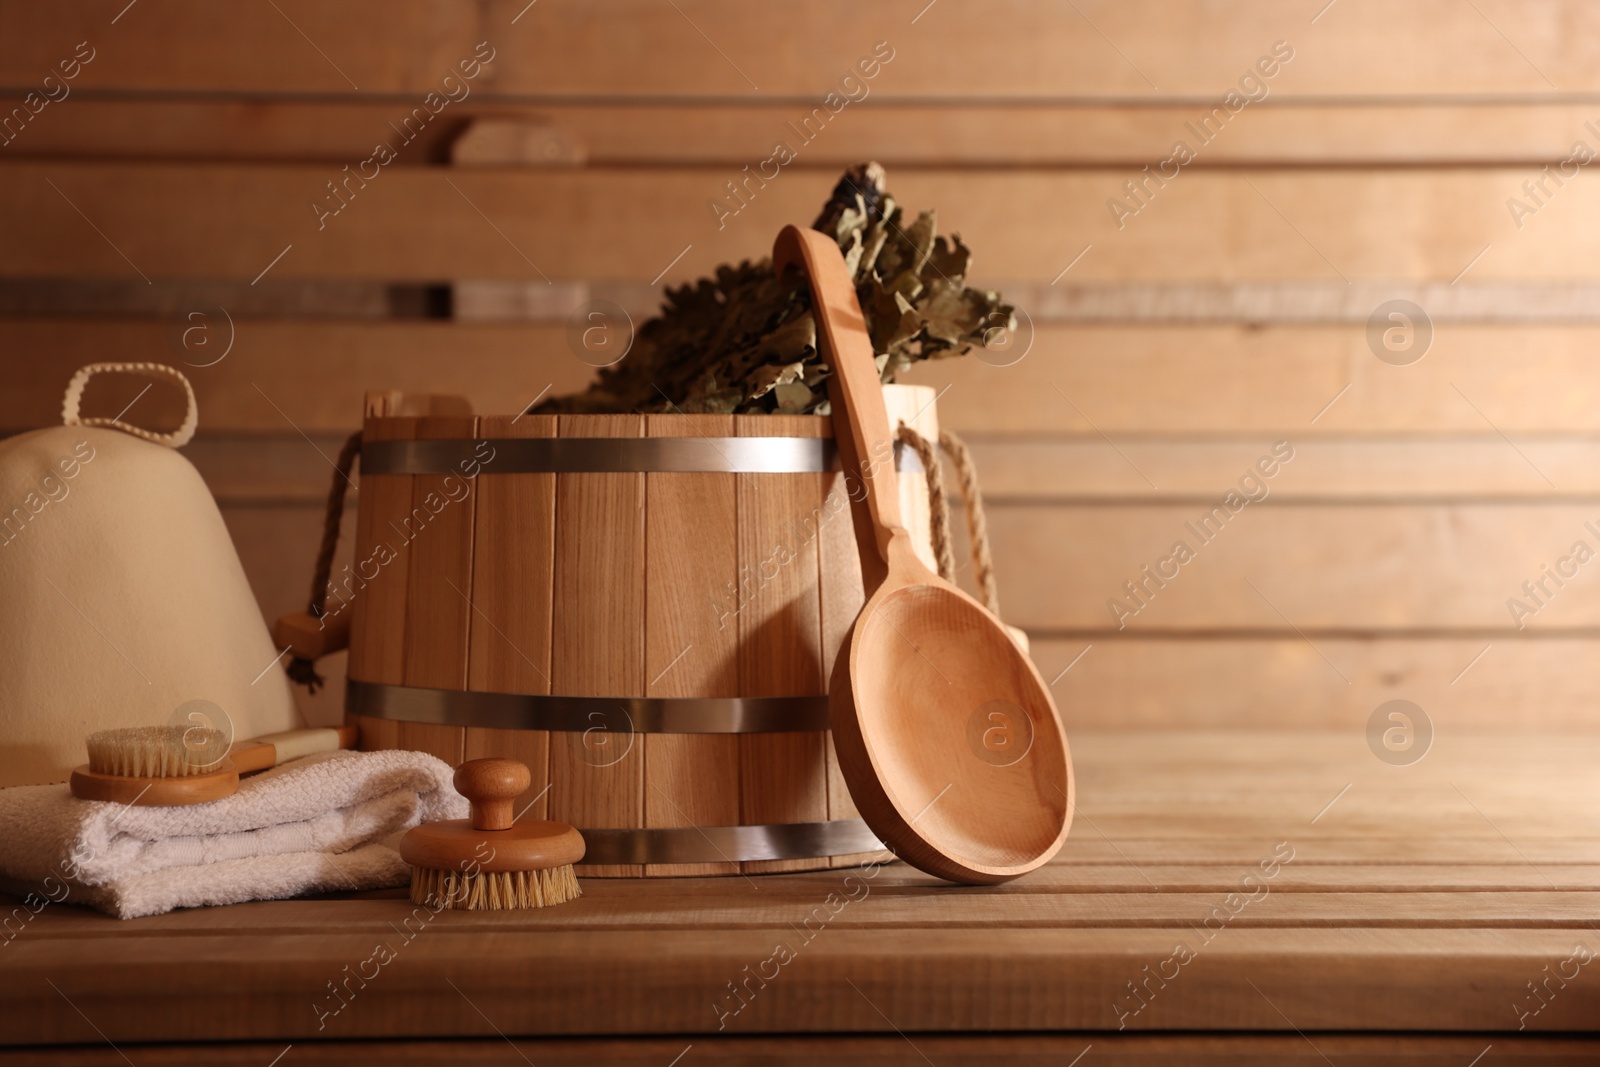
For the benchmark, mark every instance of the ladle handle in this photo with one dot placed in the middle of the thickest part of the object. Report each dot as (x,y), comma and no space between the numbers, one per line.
(842,331)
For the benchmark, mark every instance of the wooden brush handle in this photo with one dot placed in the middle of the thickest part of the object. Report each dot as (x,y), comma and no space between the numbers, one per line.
(492,787)
(842,332)
(270,750)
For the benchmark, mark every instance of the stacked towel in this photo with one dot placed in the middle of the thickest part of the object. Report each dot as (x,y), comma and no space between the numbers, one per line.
(325,822)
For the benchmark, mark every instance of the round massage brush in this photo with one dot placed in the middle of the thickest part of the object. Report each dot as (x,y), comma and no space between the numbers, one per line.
(492,861)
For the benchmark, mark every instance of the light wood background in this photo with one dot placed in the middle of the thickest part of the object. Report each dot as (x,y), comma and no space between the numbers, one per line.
(1230,313)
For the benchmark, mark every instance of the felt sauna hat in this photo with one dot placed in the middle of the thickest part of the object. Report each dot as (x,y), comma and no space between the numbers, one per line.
(122,601)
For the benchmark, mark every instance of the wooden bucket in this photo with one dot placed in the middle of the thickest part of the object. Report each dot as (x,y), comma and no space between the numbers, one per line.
(643,608)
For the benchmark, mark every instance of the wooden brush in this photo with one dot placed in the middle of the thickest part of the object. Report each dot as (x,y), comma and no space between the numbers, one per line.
(492,861)
(163,766)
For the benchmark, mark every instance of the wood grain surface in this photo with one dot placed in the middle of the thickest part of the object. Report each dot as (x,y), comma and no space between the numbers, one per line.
(1334,225)
(439,526)
(512,562)
(1011,50)
(1205,381)
(691,637)
(1117,1050)
(782,776)
(1049,133)
(1318,888)
(598,637)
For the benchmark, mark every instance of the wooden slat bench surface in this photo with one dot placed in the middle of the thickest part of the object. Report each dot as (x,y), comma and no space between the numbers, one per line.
(1399,914)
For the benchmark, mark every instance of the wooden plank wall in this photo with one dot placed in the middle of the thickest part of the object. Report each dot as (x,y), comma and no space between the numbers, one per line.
(1433,152)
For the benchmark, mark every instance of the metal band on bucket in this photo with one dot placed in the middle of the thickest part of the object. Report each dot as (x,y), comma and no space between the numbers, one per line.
(641,715)
(726,844)
(589,455)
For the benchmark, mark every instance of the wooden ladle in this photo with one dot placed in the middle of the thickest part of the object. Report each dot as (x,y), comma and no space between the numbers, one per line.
(946,733)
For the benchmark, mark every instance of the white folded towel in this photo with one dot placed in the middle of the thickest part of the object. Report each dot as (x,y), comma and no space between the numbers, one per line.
(325,822)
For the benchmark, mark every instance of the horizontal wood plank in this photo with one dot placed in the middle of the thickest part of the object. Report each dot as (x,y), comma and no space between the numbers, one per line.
(1319,569)
(1085,470)
(1256,303)
(735,132)
(423,224)
(719,48)
(1078,381)
(1292,381)
(1129,682)
(1315,874)
(682,904)
(915,1050)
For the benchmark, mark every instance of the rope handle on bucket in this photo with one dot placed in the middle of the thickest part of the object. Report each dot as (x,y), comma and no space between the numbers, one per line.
(73,400)
(303,670)
(939,506)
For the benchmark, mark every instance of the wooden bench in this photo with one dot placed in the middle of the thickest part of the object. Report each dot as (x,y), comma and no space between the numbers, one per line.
(1223,898)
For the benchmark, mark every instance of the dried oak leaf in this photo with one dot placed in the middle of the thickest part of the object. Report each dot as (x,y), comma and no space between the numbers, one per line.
(743,341)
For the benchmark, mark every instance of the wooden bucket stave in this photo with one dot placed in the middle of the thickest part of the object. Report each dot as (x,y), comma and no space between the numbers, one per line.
(681,587)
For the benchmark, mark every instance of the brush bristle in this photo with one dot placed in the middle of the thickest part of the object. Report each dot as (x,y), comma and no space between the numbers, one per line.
(493,890)
(156,751)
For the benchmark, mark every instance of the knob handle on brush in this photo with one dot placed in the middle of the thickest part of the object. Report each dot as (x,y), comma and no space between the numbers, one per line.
(492,786)
(492,860)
